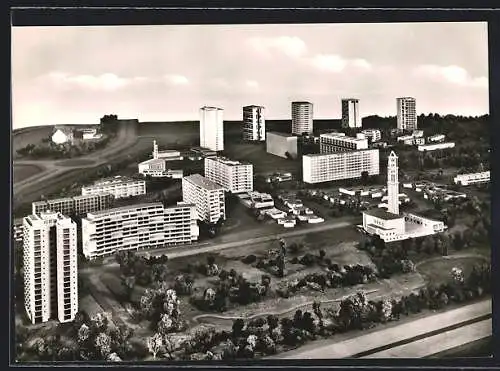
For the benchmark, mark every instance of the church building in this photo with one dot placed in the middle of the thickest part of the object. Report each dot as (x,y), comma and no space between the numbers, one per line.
(390,225)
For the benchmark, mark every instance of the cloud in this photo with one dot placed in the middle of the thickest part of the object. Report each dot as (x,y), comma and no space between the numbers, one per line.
(362,63)
(451,74)
(335,63)
(106,81)
(291,46)
(252,84)
(328,62)
(177,79)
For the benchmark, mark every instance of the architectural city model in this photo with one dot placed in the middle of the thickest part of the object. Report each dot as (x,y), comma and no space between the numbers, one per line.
(235,192)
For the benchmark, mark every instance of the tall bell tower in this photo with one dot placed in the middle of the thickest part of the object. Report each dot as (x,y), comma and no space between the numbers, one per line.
(392,184)
(155,149)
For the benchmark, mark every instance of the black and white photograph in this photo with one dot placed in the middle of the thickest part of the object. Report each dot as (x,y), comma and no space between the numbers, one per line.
(225,192)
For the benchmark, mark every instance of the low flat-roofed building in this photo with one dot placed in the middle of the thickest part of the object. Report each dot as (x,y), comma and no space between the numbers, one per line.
(374,135)
(391,227)
(118,186)
(203,152)
(436,138)
(472,178)
(76,205)
(282,144)
(436,146)
(339,142)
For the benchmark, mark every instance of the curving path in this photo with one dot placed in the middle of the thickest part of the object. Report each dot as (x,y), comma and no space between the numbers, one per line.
(285,312)
(452,257)
(206,318)
(126,137)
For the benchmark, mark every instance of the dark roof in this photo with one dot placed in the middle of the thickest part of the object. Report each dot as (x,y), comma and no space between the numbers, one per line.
(382,214)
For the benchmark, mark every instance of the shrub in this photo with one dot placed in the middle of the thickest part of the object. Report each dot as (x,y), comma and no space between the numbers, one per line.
(249,259)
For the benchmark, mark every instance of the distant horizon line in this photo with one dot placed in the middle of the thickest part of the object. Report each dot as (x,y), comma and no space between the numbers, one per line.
(239,120)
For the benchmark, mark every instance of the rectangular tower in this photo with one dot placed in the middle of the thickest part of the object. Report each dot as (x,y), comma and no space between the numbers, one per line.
(254,124)
(392,184)
(302,118)
(350,113)
(207,195)
(339,142)
(50,267)
(406,113)
(234,176)
(212,128)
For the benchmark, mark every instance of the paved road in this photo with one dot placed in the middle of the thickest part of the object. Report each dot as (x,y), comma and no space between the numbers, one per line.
(126,137)
(439,343)
(351,347)
(177,252)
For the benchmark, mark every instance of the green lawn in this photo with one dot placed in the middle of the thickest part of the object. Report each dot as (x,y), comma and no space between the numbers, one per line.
(22,172)
(33,135)
(438,271)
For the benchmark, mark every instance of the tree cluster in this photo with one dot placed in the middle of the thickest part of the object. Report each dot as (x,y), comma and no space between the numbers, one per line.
(231,287)
(350,205)
(140,270)
(161,306)
(264,336)
(335,276)
(49,149)
(91,339)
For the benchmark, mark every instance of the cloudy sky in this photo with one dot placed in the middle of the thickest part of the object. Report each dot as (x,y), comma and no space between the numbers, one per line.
(165,73)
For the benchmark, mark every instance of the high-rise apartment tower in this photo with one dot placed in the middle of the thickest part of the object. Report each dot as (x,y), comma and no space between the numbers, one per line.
(302,118)
(212,128)
(50,267)
(407,113)
(254,124)
(350,113)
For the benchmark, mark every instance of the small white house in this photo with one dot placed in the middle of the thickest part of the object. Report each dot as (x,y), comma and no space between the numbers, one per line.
(90,134)
(62,136)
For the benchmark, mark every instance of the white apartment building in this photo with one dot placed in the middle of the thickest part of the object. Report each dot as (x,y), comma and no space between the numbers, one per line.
(165,155)
(472,178)
(339,142)
(302,118)
(135,227)
(393,227)
(78,205)
(318,168)
(17,230)
(118,186)
(406,113)
(436,138)
(155,167)
(212,128)
(374,135)
(350,113)
(281,144)
(234,176)
(50,267)
(254,123)
(411,140)
(436,146)
(390,225)
(207,195)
